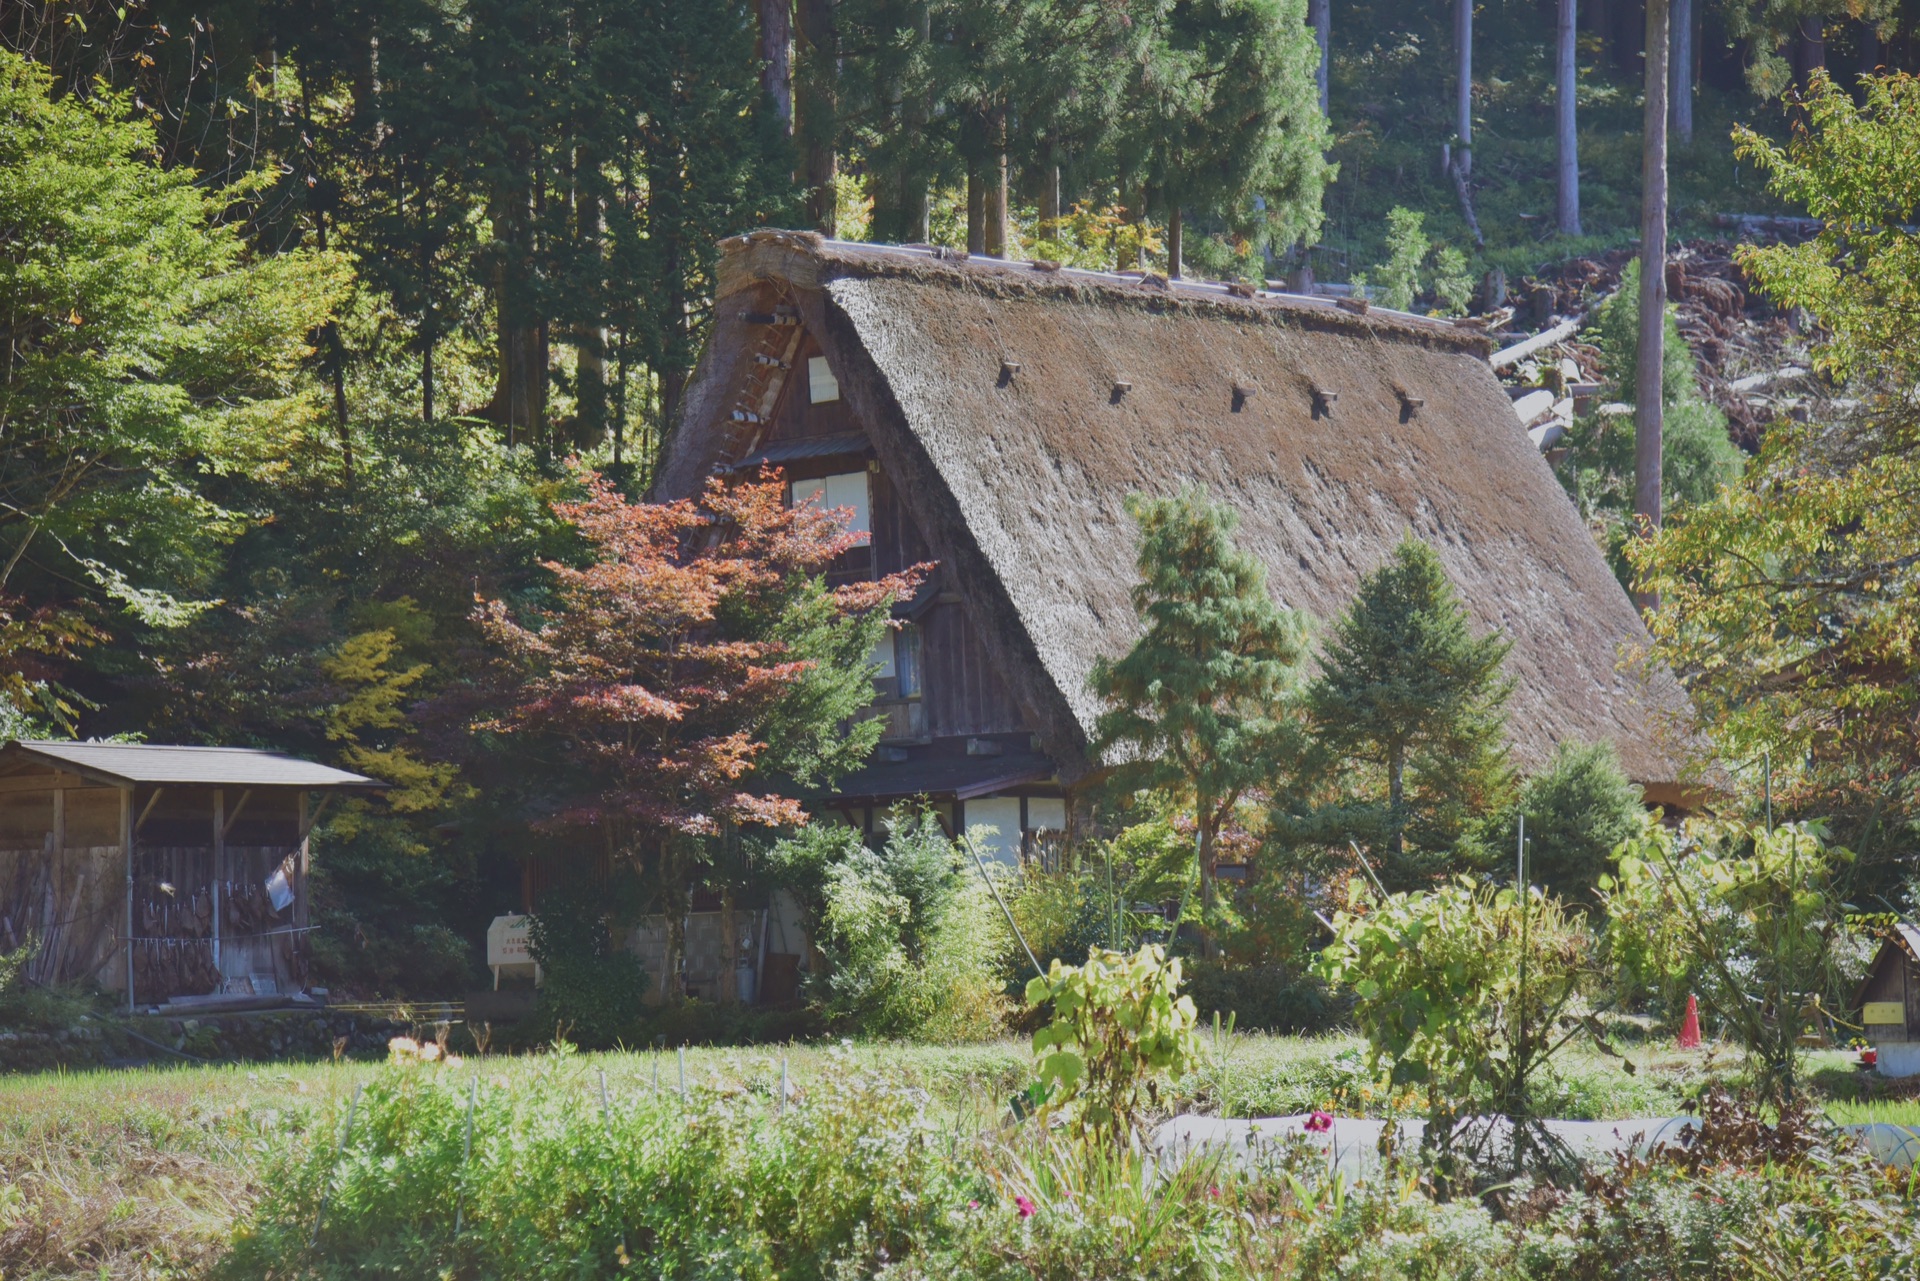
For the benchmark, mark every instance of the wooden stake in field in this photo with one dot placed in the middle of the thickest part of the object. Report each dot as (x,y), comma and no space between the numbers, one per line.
(1648,419)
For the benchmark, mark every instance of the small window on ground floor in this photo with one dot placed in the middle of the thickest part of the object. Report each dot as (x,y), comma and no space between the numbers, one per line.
(1046,814)
(994,822)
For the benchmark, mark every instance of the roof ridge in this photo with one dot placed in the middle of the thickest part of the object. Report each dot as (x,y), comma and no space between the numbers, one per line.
(1028,275)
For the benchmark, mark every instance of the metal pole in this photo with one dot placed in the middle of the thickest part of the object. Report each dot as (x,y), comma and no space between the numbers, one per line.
(783,1087)
(682,1053)
(1767,788)
(1113,907)
(466,1155)
(1520,855)
(993,889)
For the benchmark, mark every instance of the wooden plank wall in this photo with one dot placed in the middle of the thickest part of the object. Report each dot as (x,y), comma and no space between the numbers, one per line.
(964,694)
(70,907)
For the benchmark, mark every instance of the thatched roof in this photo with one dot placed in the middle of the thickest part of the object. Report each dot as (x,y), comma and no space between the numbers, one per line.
(1331,433)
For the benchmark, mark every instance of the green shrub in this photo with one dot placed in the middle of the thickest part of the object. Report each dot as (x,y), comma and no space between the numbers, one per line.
(1067,914)
(592,988)
(1465,991)
(914,943)
(1750,919)
(1405,273)
(1578,809)
(857,1174)
(1118,1026)
(1265,998)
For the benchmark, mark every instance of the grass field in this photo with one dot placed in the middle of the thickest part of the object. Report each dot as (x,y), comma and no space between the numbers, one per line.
(144,1173)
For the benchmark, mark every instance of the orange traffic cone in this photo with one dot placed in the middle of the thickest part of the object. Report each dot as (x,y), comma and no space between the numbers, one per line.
(1690,1025)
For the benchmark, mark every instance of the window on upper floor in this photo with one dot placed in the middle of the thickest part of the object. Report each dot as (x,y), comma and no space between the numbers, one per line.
(896,662)
(849,489)
(822,386)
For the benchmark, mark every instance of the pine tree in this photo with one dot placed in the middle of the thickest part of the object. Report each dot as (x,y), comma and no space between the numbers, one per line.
(1411,697)
(1199,707)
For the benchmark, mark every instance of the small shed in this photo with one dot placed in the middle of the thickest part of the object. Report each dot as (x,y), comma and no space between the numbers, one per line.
(163,872)
(1889,1002)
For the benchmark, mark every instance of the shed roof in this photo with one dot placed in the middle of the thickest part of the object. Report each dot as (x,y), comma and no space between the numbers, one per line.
(121,763)
(991,392)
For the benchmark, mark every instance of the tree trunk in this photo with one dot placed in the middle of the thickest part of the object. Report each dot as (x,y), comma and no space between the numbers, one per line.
(429,323)
(976,209)
(674,905)
(729,946)
(776,59)
(1049,193)
(1648,406)
(817,110)
(1460,161)
(1809,51)
(1209,855)
(1320,14)
(1396,796)
(1175,235)
(590,340)
(522,381)
(999,227)
(1566,79)
(337,374)
(914,198)
(426,377)
(1682,67)
(1463,86)
(1869,49)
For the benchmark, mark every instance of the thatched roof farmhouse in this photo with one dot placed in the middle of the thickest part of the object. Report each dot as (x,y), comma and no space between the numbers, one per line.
(992,416)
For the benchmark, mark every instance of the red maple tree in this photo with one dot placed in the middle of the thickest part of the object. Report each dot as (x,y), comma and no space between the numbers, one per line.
(667,664)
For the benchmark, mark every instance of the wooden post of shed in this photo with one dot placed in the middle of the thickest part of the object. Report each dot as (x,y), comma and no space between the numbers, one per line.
(300,871)
(219,866)
(126,850)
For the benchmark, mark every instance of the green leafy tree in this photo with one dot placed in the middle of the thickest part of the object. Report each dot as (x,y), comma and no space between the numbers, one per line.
(1578,809)
(1468,991)
(1788,603)
(1750,918)
(146,352)
(1198,708)
(1409,716)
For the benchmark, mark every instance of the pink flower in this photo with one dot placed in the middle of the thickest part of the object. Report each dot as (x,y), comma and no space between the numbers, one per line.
(1023,1205)
(973,1205)
(1319,1123)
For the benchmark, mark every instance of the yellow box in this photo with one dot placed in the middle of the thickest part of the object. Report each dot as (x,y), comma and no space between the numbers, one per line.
(1884,1012)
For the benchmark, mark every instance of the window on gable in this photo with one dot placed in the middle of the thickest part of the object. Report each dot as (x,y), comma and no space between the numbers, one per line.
(849,489)
(821,384)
